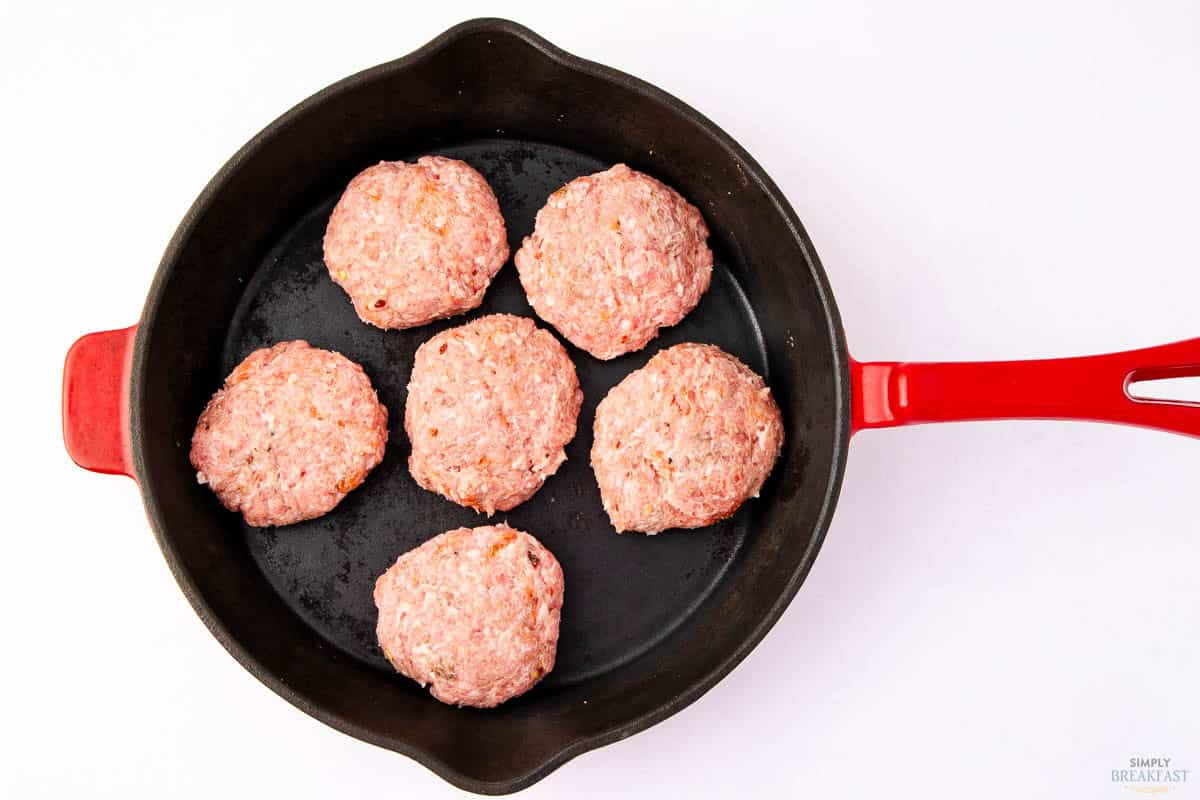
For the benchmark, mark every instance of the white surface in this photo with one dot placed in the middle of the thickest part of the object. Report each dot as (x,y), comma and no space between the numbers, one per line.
(999,611)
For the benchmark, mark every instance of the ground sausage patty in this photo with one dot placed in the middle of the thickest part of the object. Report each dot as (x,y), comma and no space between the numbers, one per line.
(411,243)
(682,442)
(614,257)
(473,614)
(491,405)
(293,430)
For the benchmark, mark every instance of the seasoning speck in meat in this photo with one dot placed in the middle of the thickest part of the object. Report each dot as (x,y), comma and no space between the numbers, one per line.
(293,430)
(473,614)
(491,405)
(614,257)
(411,243)
(684,441)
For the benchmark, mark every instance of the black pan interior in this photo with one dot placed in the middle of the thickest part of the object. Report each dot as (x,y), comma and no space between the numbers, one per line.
(649,623)
(624,593)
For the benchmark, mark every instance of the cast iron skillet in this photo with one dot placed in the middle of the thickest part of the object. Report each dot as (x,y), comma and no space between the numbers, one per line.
(649,623)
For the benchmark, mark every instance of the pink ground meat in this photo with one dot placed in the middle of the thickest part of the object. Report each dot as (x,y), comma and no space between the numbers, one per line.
(293,430)
(491,406)
(614,257)
(473,614)
(411,243)
(682,442)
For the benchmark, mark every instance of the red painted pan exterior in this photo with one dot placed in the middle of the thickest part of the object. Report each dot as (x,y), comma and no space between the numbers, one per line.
(1094,388)
(95,400)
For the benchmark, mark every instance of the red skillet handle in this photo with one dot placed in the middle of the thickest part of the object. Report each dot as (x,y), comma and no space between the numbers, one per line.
(96,401)
(1095,388)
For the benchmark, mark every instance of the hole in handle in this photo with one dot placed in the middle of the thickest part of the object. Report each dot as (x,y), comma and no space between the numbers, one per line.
(1168,385)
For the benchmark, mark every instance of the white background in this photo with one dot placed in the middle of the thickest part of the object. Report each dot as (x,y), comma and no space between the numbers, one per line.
(1000,610)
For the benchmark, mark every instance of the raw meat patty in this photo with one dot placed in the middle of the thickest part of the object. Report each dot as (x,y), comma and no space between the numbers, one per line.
(473,614)
(614,257)
(491,404)
(682,442)
(411,243)
(293,430)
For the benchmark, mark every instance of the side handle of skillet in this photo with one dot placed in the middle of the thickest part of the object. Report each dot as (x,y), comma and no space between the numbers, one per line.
(96,401)
(1095,388)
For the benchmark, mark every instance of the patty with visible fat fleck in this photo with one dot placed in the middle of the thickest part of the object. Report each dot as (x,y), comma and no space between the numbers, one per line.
(411,243)
(473,614)
(684,441)
(613,258)
(292,431)
(491,406)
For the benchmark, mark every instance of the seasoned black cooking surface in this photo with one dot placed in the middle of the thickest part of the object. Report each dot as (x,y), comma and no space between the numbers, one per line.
(623,592)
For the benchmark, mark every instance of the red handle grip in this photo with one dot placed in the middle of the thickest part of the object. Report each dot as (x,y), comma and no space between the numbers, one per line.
(96,401)
(1094,388)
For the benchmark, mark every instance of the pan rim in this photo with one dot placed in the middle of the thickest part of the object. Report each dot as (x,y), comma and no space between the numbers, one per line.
(691,693)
